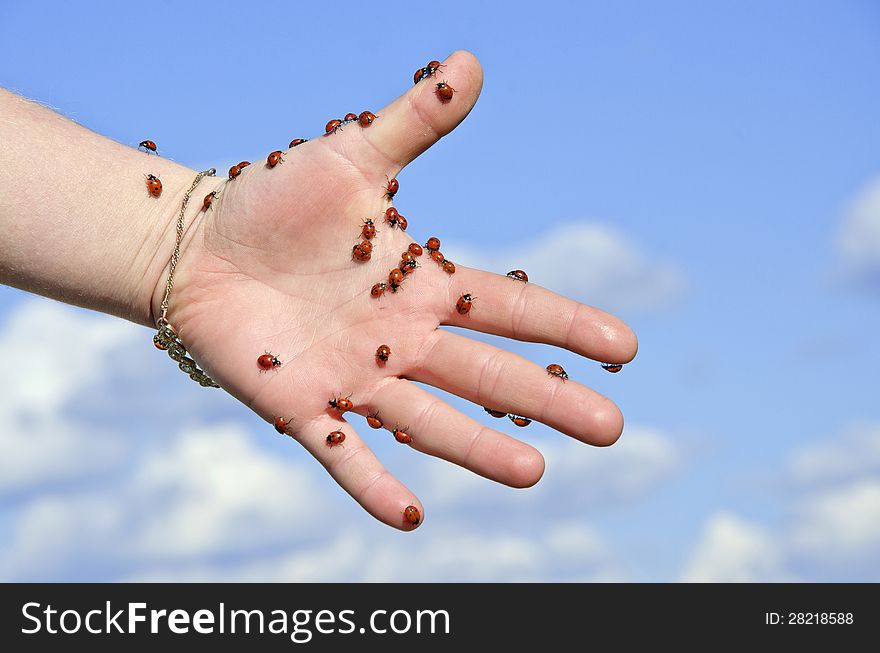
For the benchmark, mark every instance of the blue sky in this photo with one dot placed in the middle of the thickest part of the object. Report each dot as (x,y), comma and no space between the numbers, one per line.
(707,170)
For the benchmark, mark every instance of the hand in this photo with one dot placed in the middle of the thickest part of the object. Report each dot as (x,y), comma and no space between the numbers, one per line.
(270,269)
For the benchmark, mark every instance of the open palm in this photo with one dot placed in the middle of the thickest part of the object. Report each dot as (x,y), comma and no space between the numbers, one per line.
(270,269)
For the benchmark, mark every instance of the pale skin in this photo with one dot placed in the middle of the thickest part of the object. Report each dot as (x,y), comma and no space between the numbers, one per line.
(269,268)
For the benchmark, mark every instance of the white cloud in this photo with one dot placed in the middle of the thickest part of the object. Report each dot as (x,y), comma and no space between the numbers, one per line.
(854,453)
(841,524)
(591,262)
(733,550)
(858,241)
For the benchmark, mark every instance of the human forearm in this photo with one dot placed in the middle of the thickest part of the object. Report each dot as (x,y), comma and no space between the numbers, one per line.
(76,220)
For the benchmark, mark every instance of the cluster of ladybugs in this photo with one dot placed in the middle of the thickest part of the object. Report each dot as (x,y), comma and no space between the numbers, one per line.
(362,252)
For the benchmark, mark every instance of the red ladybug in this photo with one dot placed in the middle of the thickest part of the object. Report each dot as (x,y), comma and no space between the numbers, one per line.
(407,266)
(298,141)
(464,303)
(332,126)
(374,421)
(274,159)
(520,421)
(402,436)
(234,171)
(281,425)
(383,353)
(149,146)
(334,438)
(392,188)
(368,231)
(448,266)
(412,515)
(445,91)
(378,289)
(367,246)
(614,368)
(391,216)
(519,275)
(556,370)
(407,256)
(415,249)
(395,276)
(366,118)
(267,362)
(341,404)
(432,244)
(437,255)
(419,75)
(243,164)
(209,199)
(433,67)
(495,413)
(350,117)
(401,222)
(359,253)
(154,186)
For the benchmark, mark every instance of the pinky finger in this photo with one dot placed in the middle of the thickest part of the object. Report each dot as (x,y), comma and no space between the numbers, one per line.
(357,470)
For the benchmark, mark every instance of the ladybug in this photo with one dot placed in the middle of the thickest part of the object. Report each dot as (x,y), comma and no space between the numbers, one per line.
(464,303)
(267,362)
(556,370)
(366,118)
(154,186)
(149,146)
(407,266)
(243,164)
(392,188)
(401,222)
(367,246)
(495,413)
(391,216)
(402,436)
(274,159)
(412,515)
(374,421)
(519,275)
(378,289)
(406,256)
(444,91)
(614,368)
(448,266)
(358,253)
(341,404)
(350,117)
(520,421)
(234,171)
(419,75)
(332,126)
(209,199)
(368,231)
(298,141)
(437,255)
(432,244)
(336,437)
(415,249)
(383,353)
(395,277)
(433,67)
(281,425)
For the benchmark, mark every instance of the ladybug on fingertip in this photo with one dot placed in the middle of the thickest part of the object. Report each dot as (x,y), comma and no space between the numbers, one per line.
(519,275)
(366,118)
(383,353)
(349,117)
(395,278)
(445,92)
(154,186)
(332,126)
(274,159)
(234,171)
(378,289)
(614,368)
(392,187)
(360,253)
(298,141)
(415,249)
(407,266)
(243,164)
(342,404)
(401,435)
(464,304)
(448,266)
(281,425)
(433,244)
(149,146)
(268,362)
(437,255)
(495,413)
(554,369)
(401,222)
(209,199)
(519,420)
(412,515)
(391,216)
(335,438)
(368,231)
(367,246)
(373,420)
